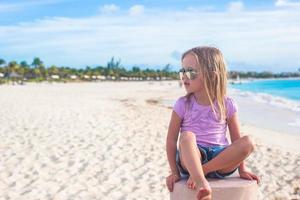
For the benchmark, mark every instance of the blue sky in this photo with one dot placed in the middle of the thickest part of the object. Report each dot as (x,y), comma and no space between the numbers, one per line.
(253,35)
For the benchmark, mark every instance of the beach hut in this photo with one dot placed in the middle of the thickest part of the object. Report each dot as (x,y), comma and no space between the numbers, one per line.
(111,78)
(15,77)
(73,77)
(1,77)
(86,77)
(54,77)
(124,78)
(102,78)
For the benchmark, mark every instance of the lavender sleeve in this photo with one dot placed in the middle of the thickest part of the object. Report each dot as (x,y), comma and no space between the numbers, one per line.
(179,107)
(231,107)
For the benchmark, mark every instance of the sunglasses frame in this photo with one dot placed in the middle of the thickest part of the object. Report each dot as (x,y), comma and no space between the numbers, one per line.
(191,74)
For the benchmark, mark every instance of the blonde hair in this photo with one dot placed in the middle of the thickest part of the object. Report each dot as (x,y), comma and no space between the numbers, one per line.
(212,66)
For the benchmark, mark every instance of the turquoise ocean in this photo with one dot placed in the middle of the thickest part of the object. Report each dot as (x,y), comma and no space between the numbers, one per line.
(273,104)
(286,88)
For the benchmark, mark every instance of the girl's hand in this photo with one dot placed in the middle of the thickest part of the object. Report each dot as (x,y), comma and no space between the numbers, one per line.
(171,179)
(249,176)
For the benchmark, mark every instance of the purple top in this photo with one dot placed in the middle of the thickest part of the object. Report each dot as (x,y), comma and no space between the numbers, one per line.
(202,122)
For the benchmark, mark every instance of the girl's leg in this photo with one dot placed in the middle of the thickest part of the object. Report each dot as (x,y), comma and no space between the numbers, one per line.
(231,157)
(190,159)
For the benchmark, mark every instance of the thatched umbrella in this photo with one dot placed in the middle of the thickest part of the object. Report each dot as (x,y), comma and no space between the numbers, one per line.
(14,77)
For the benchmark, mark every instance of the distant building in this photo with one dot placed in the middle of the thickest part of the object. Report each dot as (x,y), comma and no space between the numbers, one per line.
(102,78)
(73,77)
(86,77)
(14,75)
(124,78)
(54,76)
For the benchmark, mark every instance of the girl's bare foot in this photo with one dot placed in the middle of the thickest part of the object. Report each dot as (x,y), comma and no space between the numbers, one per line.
(204,191)
(191,184)
(204,194)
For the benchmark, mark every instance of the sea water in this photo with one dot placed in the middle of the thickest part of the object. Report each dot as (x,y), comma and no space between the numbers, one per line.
(286,88)
(272,104)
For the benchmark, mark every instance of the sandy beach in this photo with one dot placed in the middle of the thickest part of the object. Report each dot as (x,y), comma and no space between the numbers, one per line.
(106,140)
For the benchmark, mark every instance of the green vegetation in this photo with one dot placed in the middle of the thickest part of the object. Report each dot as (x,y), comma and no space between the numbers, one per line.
(266,74)
(112,71)
(37,71)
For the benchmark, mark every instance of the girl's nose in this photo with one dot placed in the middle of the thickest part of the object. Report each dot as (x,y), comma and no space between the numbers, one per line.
(184,77)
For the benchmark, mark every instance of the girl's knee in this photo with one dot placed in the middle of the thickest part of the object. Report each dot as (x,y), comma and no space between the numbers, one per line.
(247,144)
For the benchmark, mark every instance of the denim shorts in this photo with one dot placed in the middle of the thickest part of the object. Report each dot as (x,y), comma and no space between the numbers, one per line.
(207,154)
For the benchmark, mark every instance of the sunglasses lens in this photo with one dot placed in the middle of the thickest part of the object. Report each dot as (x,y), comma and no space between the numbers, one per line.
(181,75)
(188,75)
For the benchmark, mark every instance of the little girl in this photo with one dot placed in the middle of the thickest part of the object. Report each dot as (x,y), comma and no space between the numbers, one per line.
(202,117)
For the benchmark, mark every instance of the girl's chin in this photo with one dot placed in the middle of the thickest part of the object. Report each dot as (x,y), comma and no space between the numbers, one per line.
(188,90)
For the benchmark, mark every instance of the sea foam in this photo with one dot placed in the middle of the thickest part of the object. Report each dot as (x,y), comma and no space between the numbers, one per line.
(269,99)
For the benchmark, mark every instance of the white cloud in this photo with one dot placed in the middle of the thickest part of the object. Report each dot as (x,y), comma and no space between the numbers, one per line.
(287,3)
(109,8)
(265,38)
(136,10)
(235,6)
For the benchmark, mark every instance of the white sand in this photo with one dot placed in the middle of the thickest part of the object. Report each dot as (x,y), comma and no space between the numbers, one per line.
(107,141)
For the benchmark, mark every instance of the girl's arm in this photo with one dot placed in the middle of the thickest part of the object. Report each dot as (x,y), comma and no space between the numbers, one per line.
(234,130)
(171,143)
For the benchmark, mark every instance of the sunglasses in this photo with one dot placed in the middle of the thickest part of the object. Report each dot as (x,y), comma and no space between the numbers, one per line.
(190,73)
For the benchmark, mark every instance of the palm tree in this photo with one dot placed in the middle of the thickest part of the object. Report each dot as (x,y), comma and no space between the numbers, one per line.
(13,66)
(37,62)
(24,68)
(24,64)
(43,71)
(53,70)
(37,72)
(2,62)
(114,64)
